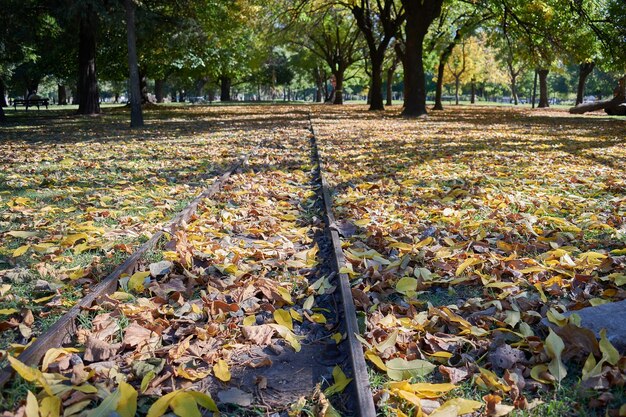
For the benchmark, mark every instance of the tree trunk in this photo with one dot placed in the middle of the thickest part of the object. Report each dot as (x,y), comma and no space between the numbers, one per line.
(225,88)
(473,98)
(439,86)
(3,94)
(3,101)
(62,94)
(414,81)
(543,88)
(535,89)
(338,93)
(456,90)
(88,97)
(159,86)
(136,115)
(376,90)
(584,70)
(143,84)
(514,88)
(390,73)
(419,16)
(615,106)
(75,98)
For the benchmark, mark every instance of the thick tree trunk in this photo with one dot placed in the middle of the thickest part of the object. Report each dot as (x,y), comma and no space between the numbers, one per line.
(62,94)
(376,91)
(543,88)
(225,88)
(414,81)
(584,70)
(419,16)
(3,94)
(390,73)
(88,97)
(338,93)
(457,82)
(136,115)
(159,87)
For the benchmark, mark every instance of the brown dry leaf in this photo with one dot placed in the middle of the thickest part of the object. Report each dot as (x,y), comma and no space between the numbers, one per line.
(136,335)
(454,375)
(260,335)
(97,350)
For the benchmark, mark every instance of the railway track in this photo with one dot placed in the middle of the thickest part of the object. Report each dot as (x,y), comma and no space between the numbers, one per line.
(249,306)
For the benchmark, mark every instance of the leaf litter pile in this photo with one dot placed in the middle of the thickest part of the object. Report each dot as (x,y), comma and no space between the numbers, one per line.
(238,312)
(473,239)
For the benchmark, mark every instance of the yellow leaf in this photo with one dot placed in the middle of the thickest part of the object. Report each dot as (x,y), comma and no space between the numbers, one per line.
(537,371)
(318,318)
(185,405)
(32,406)
(284,294)
(609,353)
(204,400)
(389,342)
(424,242)
(459,406)
(52,354)
(127,405)
(337,337)
(8,311)
(283,318)
(220,369)
(341,381)
(44,247)
(79,273)
(162,404)
(191,374)
(249,320)
(145,381)
(29,374)
(295,315)
(375,359)
(402,246)
(50,407)
(44,299)
(428,390)
(135,283)
(466,263)
(20,251)
(308,303)
(21,234)
(407,286)
(288,335)
(72,239)
(554,346)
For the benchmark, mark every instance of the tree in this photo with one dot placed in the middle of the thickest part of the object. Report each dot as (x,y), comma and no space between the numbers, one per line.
(88,96)
(331,33)
(457,21)
(136,115)
(379,23)
(419,16)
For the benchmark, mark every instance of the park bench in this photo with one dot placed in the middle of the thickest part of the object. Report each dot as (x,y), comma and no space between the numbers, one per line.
(31,103)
